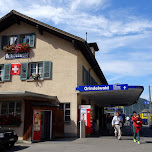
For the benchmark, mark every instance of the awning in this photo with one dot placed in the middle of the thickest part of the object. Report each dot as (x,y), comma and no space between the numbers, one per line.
(111,95)
(29,95)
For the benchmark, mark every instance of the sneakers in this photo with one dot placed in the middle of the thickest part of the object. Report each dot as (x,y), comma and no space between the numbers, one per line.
(139,142)
(135,140)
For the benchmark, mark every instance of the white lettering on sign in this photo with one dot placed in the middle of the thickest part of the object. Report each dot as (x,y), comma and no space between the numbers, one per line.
(124,87)
(115,87)
(96,88)
(15,69)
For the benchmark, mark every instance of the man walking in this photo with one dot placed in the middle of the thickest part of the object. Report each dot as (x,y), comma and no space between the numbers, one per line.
(116,124)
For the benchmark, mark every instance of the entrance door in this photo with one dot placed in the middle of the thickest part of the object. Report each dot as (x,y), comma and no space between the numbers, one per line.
(46,131)
(42,125)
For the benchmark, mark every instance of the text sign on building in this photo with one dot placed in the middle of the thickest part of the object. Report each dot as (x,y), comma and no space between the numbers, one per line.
(102,87)
(10,56)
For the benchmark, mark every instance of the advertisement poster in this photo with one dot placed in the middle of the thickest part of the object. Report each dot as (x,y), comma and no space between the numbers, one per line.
(37,125)
(83,115)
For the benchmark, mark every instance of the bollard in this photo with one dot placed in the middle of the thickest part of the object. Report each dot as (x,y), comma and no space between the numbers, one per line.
(82,129)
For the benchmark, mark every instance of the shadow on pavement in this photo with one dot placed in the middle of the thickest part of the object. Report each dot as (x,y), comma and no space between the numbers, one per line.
(146,131)
(64,139)
(15,148)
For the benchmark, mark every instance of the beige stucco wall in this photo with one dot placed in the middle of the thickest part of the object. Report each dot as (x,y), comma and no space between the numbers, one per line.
(83,62)
(64,69)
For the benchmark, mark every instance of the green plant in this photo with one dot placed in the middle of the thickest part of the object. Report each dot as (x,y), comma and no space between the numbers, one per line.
(35,76)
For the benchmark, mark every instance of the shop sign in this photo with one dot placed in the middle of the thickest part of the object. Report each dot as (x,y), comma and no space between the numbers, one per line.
(10,56)
(110,110)
(102,87)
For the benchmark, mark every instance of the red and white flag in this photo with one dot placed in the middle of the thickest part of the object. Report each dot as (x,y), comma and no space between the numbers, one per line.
(15,69)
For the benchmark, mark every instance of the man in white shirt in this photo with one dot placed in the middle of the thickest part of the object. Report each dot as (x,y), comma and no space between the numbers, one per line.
(116,122)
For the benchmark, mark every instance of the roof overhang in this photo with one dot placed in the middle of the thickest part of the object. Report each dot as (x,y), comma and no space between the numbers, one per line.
(29,96)
(111,95)
(94,45)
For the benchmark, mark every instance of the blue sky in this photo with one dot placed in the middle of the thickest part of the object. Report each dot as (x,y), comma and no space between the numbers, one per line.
(122,29)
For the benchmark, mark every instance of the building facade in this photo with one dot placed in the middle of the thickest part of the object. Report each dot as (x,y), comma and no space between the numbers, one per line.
(56,64)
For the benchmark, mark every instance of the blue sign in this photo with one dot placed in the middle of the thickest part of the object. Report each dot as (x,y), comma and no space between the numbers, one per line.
(9,56)
(102,87)
(146,102)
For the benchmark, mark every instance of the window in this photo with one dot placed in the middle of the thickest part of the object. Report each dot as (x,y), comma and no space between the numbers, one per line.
(36,68)
(87,78)
(67,111)
(1,72)
(25,39)
(28,38)
(12,40)
(20,38)
(144,114)
(18,109)
(11,108)
(4,108)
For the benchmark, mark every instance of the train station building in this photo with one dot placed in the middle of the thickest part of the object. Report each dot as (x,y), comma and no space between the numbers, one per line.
(46,75)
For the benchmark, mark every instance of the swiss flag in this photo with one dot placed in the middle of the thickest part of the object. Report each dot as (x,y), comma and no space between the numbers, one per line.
(15,69)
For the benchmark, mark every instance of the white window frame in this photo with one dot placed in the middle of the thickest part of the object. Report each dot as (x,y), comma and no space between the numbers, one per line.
(13,36)
(21,39)
(37,68)
(2,71)
(64,108)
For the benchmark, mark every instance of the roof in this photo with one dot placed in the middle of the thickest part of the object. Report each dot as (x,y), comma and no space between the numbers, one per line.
(79,43)
(107,97)
(94,45)
(27,94)
(145,110)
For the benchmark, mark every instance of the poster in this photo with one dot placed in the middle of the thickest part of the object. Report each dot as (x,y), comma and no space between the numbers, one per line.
(37,125)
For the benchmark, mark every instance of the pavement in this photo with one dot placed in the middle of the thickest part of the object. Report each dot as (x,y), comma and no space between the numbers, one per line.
(90,144)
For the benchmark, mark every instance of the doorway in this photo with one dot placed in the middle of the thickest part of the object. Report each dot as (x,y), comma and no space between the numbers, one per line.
(42,125)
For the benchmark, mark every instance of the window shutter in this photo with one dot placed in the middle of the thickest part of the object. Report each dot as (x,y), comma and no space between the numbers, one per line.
(87,77)
(32,40)
(83,72)
(24,71)
(7,70)
(18,39)
(47,69)
(4,42)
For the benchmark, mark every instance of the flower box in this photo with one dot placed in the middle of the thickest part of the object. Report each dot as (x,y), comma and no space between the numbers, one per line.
(22,47)
(35,76)
(10,120)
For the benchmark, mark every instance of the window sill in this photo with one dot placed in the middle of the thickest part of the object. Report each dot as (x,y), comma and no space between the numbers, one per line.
(32,80)
(10,125)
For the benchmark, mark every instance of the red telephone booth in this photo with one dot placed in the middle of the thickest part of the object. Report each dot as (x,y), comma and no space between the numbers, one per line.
(85,114)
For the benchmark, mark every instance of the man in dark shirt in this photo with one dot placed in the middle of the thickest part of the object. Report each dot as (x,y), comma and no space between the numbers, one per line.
(108,123)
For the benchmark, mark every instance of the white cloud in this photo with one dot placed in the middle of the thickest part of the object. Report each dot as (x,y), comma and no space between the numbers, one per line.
(89,4)
(112,32)
(75,19)
(136,41)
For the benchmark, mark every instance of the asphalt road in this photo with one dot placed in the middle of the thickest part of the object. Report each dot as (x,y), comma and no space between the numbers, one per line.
(96,144)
